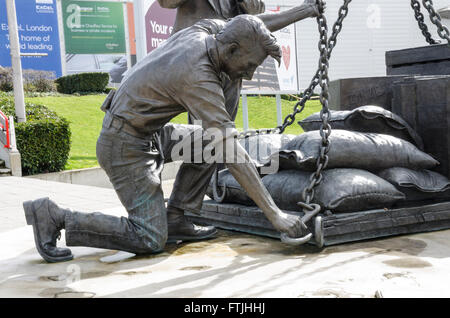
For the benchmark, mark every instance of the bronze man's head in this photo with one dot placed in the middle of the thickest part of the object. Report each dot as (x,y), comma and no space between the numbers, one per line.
(244,43)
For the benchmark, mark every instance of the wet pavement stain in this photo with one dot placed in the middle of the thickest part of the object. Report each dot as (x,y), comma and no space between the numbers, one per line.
(138,257)
(200,247)
(195,268)
(56,278)
(51,292)
(94,274)
(74,294)
(408,262)
(64,293)
(330,293)
(130,273)
(97,274)
(397,275)
(391,246)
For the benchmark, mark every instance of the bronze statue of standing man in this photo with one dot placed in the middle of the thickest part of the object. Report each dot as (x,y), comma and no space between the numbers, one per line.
(191,11)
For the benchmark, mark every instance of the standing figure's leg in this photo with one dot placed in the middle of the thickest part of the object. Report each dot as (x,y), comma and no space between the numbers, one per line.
(188,190)
(134,168)
(193,179)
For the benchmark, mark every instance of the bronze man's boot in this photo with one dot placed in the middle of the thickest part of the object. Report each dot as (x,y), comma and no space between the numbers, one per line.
(180,229)
(47,220)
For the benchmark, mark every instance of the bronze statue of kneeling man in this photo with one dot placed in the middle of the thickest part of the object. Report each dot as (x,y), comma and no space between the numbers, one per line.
(185,74)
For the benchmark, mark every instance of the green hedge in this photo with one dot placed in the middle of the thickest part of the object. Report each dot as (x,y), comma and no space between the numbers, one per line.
(43,141)
(82,83)
(34,81)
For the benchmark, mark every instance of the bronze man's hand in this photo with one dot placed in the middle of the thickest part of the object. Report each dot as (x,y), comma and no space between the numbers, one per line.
(291,225)
(313,4)
(251,6)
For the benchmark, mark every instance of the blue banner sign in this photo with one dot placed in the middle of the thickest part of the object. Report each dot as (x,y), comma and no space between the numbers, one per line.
(38,33)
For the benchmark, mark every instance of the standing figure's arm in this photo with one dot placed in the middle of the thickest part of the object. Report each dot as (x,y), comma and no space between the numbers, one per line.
(277,21)
(171,4)
(251,6)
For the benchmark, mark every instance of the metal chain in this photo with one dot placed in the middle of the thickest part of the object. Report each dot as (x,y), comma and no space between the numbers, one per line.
(312,209)
(443,32)
(325,128)
(300,106)
(337,28)
(262,131)
(420,20)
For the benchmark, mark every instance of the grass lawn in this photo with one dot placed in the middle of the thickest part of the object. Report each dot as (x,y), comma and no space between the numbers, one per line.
(85,118)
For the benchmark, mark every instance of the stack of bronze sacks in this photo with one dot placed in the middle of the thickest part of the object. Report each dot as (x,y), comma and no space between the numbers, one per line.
(375,161)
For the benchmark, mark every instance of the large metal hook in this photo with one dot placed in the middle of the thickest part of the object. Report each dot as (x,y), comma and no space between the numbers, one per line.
(310,211)
(215,186)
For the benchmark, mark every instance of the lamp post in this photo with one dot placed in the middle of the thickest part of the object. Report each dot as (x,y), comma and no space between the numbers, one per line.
(15,61)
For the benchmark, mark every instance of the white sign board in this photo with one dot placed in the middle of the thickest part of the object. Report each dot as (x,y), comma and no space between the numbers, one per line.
(271,78)
(153,25)
(287,71)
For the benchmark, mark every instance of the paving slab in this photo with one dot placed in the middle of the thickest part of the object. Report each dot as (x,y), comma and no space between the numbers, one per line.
(231,265)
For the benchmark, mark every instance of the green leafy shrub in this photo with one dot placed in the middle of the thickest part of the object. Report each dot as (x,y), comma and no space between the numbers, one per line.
(82,83)
(33,80)
(43,140)
(6,80)
(39,81)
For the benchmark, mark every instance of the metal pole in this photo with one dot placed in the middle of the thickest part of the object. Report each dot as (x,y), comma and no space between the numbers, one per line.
(127,35)
(15,61)
(279,111)
(245,111)
(139,29)
(12,134)
(62,44)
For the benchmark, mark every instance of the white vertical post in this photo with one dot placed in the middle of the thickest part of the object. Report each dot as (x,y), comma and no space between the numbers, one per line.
(245,111)
(62,44)
(15,161)
(279,112)
(139,28)
(12,134)
(15,61)
(127,35)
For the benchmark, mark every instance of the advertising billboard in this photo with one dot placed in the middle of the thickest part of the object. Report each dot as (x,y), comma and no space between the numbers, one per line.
(93,27)
(158,24)
(268,78)
(271,77)
(287,70)
(38,33)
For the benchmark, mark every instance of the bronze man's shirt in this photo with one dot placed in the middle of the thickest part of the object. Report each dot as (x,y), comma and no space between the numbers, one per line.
(182,75)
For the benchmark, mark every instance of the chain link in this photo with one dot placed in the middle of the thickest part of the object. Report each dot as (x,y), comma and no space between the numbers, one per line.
(420,20)
(325,129)
(256,132)
(321,78)
(337,28)
(443,32)
(300,106)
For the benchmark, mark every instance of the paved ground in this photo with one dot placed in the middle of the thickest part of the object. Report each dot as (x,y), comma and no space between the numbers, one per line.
(232,265)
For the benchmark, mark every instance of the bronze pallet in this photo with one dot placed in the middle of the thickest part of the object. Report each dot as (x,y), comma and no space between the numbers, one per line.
(334,228)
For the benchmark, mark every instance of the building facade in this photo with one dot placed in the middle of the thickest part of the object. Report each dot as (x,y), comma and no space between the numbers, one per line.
(371,28)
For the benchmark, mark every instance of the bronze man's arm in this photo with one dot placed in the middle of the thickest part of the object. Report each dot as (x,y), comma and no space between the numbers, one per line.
(277,21)
(171,4)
